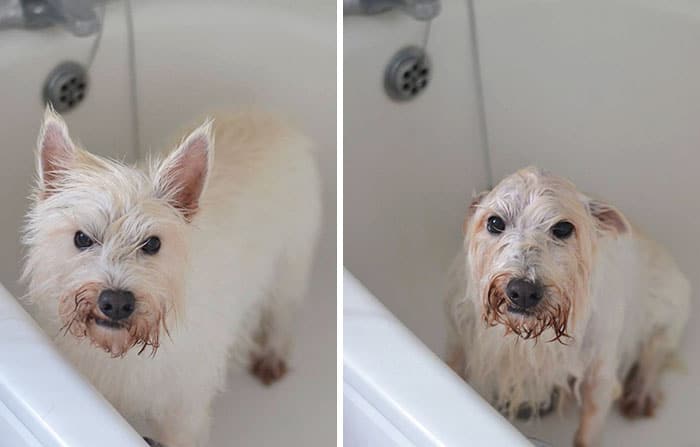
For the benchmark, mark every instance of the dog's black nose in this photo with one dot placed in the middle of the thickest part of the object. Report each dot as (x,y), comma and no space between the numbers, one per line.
(116,304)
(524,293)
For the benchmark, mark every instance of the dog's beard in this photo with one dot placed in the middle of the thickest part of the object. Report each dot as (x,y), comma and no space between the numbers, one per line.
(548,313)
(78,313)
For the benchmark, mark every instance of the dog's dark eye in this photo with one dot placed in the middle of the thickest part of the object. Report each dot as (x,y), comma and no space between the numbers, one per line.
(495,225)
(562,230)
(82,240)
(151,246)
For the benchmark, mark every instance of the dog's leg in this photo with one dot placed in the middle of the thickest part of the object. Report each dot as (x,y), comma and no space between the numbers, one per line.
(641,393)
(598,393)
(274,339)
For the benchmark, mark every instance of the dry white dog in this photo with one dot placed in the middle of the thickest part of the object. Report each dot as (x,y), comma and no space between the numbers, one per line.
(149,279)
(557,294)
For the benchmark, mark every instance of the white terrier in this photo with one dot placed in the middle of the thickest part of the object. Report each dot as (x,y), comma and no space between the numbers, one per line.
(188,261)
(558,295)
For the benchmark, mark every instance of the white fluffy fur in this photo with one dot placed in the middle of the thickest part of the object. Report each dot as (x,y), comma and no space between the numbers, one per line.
(632,309)
(229,279)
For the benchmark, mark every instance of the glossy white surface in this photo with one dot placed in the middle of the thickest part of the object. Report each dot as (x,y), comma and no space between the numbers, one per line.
(192,57)
(412,393)
(364,425)
(43,400)
(606,92)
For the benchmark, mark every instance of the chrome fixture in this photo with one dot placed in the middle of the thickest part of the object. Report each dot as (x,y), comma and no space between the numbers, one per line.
(418,9)
(77,16)
(407,74)
(66,86)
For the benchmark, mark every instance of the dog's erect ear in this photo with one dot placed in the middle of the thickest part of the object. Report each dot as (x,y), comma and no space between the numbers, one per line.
(476,200)
(56,151)
(183,175)
(609,219)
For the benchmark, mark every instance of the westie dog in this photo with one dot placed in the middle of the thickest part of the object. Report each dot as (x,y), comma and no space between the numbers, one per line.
(149,279)
(557,295)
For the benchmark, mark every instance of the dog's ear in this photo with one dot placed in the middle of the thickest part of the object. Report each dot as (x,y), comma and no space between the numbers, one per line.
(182,176)
(608,218)
(476,200)
(56,151)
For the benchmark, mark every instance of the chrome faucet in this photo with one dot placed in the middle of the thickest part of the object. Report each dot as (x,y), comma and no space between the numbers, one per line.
(77,16)
(418,9)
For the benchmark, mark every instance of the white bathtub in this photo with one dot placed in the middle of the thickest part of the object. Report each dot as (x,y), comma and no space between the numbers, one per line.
(396,392)
(190,58)
(604,92)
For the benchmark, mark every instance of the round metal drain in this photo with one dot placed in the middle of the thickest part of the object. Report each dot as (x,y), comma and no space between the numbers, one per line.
(407,74)
(66,86)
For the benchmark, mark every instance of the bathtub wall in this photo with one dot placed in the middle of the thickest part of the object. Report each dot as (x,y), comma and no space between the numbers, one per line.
(409,168)
(26,58)
(603,92)
(215,71)
(606,93)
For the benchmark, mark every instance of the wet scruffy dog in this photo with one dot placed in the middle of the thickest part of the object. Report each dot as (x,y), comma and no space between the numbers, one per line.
(557,294)
(149,279)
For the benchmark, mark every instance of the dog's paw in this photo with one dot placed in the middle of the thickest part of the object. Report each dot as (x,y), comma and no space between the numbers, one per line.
(526,411)
(152,443)
(639,398)
(638,405)
(268,368)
